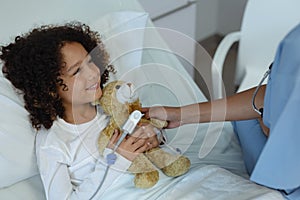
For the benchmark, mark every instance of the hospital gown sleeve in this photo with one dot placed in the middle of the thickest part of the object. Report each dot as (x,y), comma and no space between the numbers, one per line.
(278,165)
(57,181)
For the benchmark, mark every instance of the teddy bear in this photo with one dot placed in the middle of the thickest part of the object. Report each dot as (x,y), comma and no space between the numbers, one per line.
(119,100)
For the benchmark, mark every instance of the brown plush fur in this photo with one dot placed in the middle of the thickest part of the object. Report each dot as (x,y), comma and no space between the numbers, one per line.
(145,165)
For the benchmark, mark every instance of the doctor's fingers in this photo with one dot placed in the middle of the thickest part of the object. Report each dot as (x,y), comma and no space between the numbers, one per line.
(158,112)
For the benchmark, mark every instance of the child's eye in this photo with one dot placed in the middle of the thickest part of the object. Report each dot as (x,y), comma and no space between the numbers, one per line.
(77,70)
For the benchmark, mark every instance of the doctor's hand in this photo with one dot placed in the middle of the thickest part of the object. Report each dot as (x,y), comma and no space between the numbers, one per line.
(170,114)
(143,139)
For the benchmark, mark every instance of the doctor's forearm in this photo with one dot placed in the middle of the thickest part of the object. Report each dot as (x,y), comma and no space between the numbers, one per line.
(239,106)
(236,107)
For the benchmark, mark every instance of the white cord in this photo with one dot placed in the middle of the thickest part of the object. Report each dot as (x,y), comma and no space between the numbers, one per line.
(111,158)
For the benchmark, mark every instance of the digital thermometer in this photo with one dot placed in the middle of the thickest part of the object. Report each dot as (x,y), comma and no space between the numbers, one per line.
(130,125)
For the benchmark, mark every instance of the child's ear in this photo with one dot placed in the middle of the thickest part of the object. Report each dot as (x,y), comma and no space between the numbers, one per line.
(105,74)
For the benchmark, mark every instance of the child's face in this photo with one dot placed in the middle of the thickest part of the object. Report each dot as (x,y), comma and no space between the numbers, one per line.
(80,74)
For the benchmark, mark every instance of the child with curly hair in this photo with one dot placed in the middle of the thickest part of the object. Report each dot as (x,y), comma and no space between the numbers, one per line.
(57,70)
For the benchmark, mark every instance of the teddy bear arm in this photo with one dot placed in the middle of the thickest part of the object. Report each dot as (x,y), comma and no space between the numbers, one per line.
(141,164)
(158,123)
(105,136)
(144,121)
(171,164)
(154,122)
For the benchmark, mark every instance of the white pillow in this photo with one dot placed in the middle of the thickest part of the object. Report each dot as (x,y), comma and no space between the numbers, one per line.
(123,36)
(17,156)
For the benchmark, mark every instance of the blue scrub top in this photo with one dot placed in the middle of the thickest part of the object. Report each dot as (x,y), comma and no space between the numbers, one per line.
(275,161)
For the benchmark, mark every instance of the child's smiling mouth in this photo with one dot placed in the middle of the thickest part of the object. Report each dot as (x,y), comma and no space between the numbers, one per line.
(94,87)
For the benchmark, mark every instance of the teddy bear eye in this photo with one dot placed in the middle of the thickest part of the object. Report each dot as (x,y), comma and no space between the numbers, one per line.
(118,86)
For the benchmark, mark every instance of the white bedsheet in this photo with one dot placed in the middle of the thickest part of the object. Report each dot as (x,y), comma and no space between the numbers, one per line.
(220,175)
(29,189)
(207,182)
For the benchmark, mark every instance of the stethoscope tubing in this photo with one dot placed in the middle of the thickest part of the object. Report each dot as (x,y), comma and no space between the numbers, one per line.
(260,111)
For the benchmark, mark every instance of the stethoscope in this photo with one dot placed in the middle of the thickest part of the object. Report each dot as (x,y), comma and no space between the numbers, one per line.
(260,110)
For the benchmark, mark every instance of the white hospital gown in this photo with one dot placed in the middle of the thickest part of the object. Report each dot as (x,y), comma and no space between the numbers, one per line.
(69,162)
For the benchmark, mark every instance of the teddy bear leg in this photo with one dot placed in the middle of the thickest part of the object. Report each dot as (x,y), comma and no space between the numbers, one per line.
(171,164)
(145,172)
(146,180)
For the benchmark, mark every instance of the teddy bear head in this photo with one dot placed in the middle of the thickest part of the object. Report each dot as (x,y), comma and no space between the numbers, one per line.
(118,99)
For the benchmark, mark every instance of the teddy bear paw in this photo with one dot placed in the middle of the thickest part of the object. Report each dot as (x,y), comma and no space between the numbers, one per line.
(178,167)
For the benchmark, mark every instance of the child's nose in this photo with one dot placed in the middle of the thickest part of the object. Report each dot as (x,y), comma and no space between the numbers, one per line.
(93,72)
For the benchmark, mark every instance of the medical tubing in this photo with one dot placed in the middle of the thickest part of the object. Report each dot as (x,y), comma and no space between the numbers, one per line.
(162,137)
(110,159)
(124,134)
(127,128)
(98,188)
(175,150)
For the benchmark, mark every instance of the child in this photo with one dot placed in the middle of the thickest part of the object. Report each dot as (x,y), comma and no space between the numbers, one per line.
(58,78)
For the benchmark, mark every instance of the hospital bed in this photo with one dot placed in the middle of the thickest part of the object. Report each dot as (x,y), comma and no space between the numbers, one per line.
(141,56)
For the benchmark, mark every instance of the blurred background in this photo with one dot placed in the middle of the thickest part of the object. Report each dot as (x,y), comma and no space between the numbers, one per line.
(206,22)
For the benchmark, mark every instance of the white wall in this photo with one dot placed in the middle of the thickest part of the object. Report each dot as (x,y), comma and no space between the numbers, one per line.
(20,16)
(230,15)
(218,17)
(207,18)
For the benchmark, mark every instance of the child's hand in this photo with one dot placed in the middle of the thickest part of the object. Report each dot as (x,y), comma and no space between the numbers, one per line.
(143,139)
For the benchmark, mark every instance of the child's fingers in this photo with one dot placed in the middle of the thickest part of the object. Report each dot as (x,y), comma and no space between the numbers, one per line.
(115,136)
(119,135)
(138,143)
(114,139)
(142,146)
(143,139)
(145,131)
(139,132)
(153,141)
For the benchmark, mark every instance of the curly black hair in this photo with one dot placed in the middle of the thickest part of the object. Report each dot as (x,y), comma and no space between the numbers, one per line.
(33,63)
